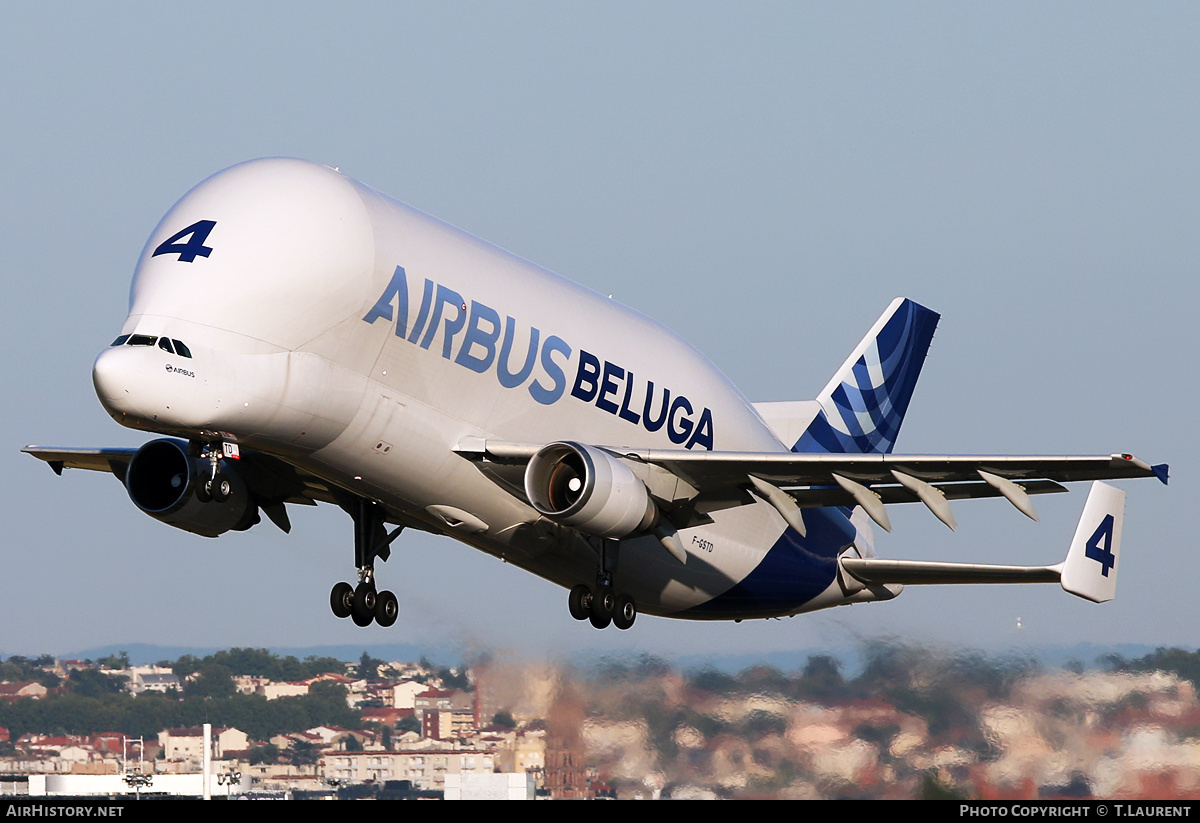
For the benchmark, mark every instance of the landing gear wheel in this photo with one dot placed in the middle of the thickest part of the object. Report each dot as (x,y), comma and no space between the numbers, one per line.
(603,604)
(608,601)
(386,609)
(362,621)
(364,603)
(341,600)
(625,613)
(219,488)
(580,602)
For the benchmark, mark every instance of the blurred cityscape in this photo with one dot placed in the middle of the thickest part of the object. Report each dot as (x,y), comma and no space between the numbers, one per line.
(910,722)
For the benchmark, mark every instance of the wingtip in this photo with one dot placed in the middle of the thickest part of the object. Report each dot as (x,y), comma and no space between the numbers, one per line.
(1160,471)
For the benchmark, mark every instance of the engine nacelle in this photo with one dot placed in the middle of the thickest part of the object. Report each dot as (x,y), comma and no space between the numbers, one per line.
(167,484)
(588,489)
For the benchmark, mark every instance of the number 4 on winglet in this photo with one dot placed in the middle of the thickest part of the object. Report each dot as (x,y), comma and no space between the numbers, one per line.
(1102,554)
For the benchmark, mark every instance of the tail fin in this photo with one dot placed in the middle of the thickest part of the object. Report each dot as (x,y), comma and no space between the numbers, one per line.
(1097,538)
(864,404)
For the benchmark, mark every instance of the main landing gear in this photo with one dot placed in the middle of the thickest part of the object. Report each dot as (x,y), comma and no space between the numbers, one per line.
(601,604)
(362,603)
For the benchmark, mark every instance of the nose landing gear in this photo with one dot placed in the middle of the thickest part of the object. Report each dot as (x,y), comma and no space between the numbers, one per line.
(217,486)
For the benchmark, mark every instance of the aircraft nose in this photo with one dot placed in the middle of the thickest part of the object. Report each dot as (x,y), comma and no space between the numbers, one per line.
(138,383)
(114,378)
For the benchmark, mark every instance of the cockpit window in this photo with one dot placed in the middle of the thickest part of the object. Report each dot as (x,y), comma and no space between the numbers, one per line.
(167,344)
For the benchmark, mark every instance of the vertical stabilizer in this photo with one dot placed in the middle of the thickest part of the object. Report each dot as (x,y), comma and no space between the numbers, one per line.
(1090,570)
(864,404)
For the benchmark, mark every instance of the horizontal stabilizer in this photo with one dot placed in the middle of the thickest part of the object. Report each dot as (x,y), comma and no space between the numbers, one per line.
(1090,570)
(916,572)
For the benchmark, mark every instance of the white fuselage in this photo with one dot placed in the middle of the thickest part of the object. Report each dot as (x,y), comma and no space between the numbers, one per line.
(363,341)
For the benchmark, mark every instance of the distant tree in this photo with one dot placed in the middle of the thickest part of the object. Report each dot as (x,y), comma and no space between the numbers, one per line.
(328,701)
(504,719)
(322,665)
(19,669)
(115,661)
(879,735)
(821,679)
(457,679)
(759,724)
(1180,662)
(620,668)
(709,725)
(185,665)
(368,667)
(91,683)
(303,753)
(713,680)
(253,662)
(764,679)
(933,789)
(268,753)
(213,681)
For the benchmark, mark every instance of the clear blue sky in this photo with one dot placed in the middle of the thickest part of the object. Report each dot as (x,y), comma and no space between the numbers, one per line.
(762,177)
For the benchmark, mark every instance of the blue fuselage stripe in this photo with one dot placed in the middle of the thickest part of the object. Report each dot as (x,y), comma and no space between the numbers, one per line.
(794,570)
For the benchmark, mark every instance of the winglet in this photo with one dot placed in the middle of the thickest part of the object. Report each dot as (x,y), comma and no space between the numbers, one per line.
(1090,570)
(1160,471)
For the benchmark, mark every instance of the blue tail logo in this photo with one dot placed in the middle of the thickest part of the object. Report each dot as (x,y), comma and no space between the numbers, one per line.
(863,406)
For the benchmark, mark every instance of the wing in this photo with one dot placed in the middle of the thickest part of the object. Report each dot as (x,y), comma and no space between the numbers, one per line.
(789,480)
(99,460)
(272,480)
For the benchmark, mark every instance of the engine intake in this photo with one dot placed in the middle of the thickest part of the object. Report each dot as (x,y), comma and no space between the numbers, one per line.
(167,484)
(588,489)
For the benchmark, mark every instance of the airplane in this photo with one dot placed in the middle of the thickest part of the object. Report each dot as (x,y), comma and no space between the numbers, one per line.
(296,337)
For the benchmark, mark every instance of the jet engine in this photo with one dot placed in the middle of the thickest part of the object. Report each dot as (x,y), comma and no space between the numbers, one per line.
(588,489)
(170,485)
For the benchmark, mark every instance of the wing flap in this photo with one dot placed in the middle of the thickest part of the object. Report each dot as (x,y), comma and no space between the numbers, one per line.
(816,497)
(706,468)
